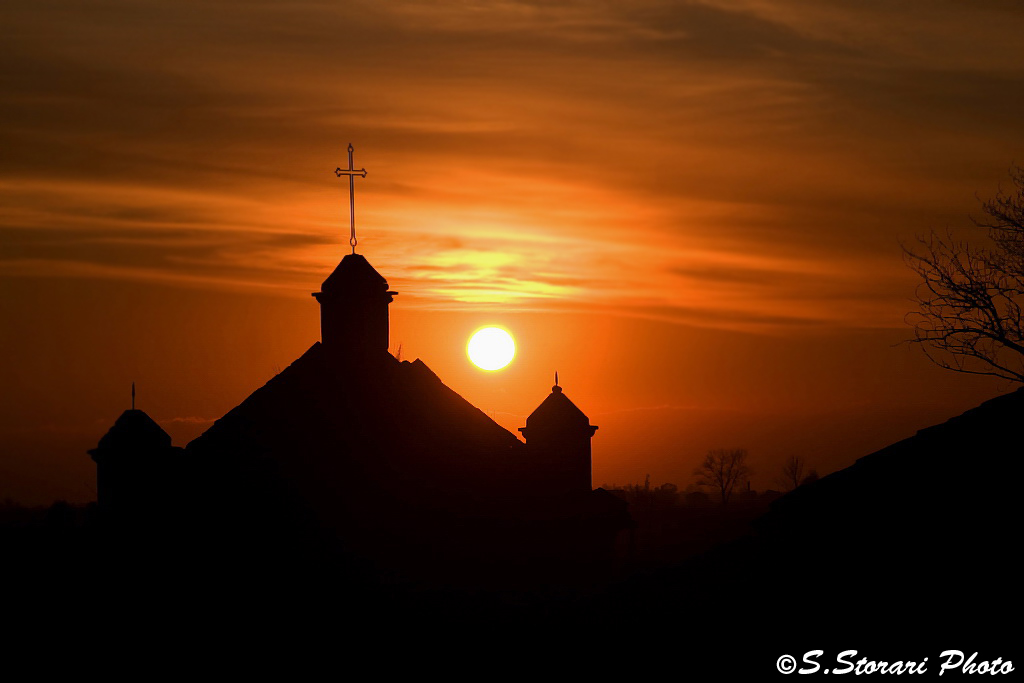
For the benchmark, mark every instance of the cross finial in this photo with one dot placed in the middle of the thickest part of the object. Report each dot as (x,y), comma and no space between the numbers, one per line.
(133,395)
(351,172)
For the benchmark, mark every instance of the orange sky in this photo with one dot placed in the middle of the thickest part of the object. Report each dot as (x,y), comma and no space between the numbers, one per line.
(692,211)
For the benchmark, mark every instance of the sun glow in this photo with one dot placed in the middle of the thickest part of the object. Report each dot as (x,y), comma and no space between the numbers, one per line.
(491,348)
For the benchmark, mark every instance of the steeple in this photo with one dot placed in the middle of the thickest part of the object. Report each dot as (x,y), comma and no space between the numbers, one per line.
(354,298)
(558,436)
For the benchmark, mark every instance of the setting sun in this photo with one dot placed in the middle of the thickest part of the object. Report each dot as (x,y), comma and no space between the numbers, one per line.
(491,348)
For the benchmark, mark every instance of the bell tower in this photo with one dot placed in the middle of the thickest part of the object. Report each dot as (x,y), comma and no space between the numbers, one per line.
(354,302)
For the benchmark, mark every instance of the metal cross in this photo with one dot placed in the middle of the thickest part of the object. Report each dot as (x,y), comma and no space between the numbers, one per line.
(351,172)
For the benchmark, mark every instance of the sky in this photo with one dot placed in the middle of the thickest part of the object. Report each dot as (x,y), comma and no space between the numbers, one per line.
(693,211)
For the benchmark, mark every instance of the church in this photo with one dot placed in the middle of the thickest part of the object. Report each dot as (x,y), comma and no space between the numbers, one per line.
(355,456)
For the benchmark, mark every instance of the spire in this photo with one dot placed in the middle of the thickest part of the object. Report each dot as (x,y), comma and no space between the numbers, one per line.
(557,389)
(133,395)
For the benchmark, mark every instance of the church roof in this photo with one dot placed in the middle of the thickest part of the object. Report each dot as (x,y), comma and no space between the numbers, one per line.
(931,516)
(946,476)
(133,431)
(354,273)
(338,432)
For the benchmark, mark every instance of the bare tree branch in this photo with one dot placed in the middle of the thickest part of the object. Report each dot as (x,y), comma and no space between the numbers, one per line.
(970,300)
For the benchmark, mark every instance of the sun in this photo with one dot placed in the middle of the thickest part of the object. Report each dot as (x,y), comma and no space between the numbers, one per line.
(491,348)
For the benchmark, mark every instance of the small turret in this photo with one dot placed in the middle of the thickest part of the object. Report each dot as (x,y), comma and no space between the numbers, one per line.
(135,466)
(558,436)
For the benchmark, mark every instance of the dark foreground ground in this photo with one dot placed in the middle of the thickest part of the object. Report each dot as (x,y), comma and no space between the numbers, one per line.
(686,605)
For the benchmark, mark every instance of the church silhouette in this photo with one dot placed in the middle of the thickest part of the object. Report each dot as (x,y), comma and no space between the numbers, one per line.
(351,457)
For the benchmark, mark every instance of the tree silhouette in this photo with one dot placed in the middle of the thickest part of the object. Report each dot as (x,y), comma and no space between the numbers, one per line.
(722,469)
(969,317)
(792,474)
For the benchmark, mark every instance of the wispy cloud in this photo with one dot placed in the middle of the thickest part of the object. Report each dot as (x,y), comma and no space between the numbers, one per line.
(745,164)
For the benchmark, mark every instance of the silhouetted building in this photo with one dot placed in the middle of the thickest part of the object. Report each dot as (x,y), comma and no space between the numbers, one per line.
(351,450)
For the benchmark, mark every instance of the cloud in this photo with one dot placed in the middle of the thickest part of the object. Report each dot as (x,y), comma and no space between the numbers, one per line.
(603,155)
